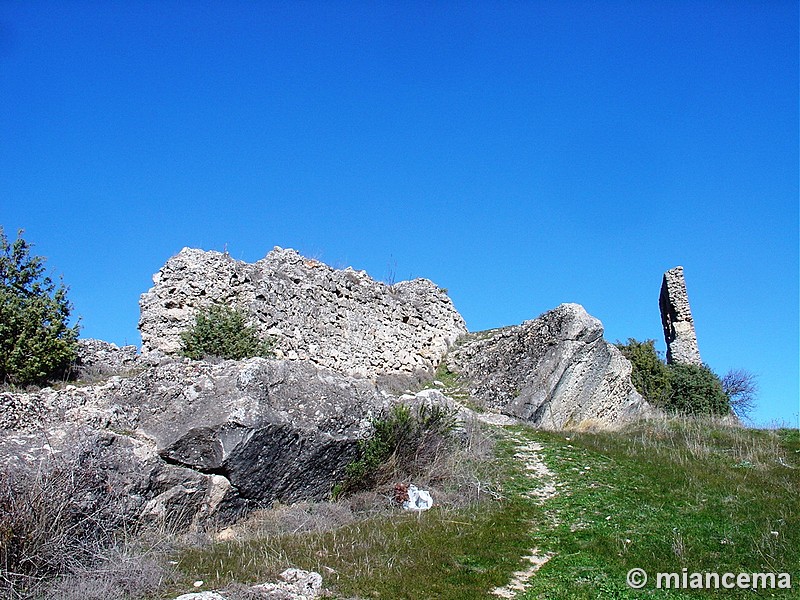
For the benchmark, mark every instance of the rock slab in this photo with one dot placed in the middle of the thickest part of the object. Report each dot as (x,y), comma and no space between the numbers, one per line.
(194,439)
(183,441)
(676,318)
(340,319)
(555,372)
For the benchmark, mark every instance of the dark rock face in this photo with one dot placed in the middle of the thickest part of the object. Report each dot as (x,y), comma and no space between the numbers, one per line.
(556,371)
(268,463)
(676,317)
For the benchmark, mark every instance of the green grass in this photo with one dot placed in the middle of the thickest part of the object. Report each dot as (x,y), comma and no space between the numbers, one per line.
(661,496)
(444,553)
(453,386)
(668,496)
(446,376)
(439,554)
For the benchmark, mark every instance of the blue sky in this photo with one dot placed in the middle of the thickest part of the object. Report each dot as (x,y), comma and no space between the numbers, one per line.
(520,154)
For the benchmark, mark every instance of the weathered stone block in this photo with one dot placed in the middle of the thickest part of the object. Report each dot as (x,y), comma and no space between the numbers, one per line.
(556,372)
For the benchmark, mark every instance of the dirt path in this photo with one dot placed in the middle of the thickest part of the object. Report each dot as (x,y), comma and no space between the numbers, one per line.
(543,487)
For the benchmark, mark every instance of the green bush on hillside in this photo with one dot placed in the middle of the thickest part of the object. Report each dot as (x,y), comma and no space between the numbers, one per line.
(650,374)
(685,389)
(696,390)
(221,331)
(36,343)
(403,441)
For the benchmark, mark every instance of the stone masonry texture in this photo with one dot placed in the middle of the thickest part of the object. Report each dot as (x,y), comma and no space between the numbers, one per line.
(340,319)
(676,317)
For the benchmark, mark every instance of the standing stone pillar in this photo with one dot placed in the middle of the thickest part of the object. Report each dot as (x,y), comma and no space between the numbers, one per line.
(676,317)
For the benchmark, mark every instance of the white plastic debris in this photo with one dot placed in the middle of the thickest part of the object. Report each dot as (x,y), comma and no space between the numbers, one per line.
(417,499)
(201,596)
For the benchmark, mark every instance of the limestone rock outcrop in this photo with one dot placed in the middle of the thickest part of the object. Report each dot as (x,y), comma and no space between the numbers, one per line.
(555,372)
(183,441)
(676,318)
(341,319)
(192,439)
(96,359)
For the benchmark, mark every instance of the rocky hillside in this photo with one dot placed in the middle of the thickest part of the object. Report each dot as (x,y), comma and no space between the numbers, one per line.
(186,440)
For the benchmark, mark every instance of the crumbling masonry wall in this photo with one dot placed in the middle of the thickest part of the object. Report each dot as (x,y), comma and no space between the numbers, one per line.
(340,319)
(676,317)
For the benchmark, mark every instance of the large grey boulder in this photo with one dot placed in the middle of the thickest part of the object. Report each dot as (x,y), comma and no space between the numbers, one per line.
(556,372)
(341,319)
(198,439)
(676,318)
(276,429)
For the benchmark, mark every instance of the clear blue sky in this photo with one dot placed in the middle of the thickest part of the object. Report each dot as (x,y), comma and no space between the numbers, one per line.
(521,154)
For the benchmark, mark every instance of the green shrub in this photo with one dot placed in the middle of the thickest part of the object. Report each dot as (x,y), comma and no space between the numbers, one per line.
(685,389)
(403,441)
(221,331)
(650,374)
(696,389)
(36,344)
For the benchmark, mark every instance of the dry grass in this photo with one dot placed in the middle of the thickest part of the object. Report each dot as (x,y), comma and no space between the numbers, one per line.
(686,439)
(66,532)
(128,571)
(55,519)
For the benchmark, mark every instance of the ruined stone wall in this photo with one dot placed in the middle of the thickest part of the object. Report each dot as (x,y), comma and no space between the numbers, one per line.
(676,317)
(340,319)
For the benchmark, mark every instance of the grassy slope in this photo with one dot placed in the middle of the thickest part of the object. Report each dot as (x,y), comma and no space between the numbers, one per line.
(665,496)
(661,496)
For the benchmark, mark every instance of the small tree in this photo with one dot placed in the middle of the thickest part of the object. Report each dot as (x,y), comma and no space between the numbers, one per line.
(222,331)
(36,343)
(741,388)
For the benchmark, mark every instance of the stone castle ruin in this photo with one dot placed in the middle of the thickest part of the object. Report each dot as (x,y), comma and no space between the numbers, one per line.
(340,319)
(676,318)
